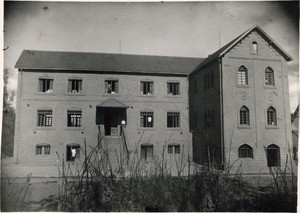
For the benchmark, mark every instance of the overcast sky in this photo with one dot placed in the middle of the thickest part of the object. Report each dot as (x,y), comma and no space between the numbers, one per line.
(170,29)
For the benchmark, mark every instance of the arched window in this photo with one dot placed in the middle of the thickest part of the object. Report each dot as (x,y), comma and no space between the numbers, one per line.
(244,116)
(273,155)
(269,77)
(271,116)
(242,76)
(254,47)
(245,151)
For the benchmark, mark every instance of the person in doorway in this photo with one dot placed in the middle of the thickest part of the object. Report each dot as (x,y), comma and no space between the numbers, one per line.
(73,150)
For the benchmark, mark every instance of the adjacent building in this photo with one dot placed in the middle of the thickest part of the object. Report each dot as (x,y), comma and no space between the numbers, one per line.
(230,109)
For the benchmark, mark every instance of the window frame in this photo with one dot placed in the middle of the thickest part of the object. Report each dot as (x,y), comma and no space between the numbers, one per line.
(174,149)
(76,114)
(271,117)
(175,119)
(69,157)
(43,117)
(269,77)
(244,116)
(42,149)
(146,85)
(242,76)
(173,88)
(44,86)
(277,162)
(77,86)
(144,119)
(254,47)
(114,86)
(245,151)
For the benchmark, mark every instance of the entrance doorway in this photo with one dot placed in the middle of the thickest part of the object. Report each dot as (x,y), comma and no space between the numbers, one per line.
(111,122)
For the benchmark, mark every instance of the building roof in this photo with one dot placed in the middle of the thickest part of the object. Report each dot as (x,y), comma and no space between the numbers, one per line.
(223,50)
(105,62)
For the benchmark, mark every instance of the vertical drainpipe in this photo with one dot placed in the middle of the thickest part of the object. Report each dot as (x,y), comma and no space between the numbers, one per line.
(221,112)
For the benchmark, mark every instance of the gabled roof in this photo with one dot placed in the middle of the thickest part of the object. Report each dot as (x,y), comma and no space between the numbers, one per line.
(221,52)
(112,103)
(105,62)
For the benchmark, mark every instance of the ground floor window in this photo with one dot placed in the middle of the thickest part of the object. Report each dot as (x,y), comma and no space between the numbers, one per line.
(174,149)
(73,152)
(273,155)
(245,151)
(147,152)
(42,149)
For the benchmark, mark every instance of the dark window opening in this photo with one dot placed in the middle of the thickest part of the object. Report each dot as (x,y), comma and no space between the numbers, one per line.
(244,116)
(75,86)
(45,85)
(173,88)
(146,119)
(146,88)
(254,47)
(112,86)
(147,152)
(273,155)
(245,151)
(73,152)
(173,119)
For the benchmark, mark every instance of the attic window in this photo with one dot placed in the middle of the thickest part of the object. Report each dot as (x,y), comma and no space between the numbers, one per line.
(254,47)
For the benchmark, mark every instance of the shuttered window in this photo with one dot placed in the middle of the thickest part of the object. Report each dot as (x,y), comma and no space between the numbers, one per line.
(45,85)
(173,88)
(147,87)
(111,86)
(74,86)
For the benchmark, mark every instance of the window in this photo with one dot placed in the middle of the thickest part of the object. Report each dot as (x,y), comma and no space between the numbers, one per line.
(147,152)
(41,149)
(269,77)
(73,152)
(74,118)
(46,85)
(146,119)
(254,47)
(173,119)
(44,118)
(174,149)
(271,116)
(147,87)
(209,118)
(273,155)
(244,116)
(242,76)
(112,86)
(173,88)
(245,151)
(74,86)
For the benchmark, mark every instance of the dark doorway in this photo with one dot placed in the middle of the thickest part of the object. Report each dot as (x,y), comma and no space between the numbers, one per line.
(273,155)
(107,122)
(73,152)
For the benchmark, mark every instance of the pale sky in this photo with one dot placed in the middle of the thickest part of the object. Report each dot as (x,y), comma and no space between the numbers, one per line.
(169,29)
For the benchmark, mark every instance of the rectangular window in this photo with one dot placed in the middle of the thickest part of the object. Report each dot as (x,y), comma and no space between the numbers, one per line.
(112,86)
(73,152)
(44,117)
(173,88)
(147,152)
(174,149)
(74,118)
(147,87)
(39,150)
(173,119)
(146,119)
(74,86)
(42,149)
(45,85)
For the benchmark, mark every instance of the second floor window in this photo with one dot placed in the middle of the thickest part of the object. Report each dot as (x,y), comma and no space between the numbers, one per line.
(173,88)
(147,87)
(244,116)
(45,118)
(146,119)
(242,76)
(271,116)
(173,119)
(74,118)
(111,86)
(269,77)
(45,85)
(74,86)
